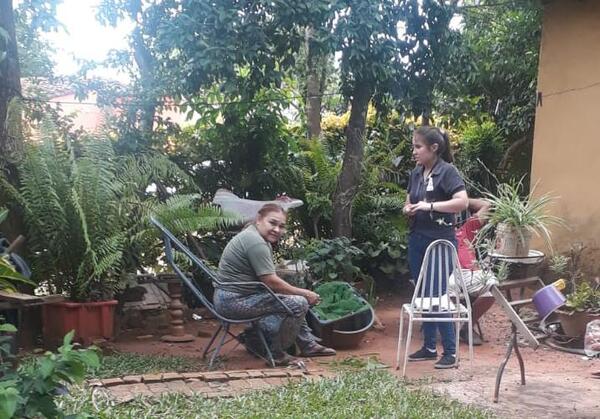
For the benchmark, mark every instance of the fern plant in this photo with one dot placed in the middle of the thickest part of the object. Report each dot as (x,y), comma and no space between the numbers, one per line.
(87,211)
(320,174)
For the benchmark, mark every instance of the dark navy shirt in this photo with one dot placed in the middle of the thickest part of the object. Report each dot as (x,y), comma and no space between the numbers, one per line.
(443,182)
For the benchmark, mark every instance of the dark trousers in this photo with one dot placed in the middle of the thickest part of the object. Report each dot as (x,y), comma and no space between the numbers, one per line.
(417,245)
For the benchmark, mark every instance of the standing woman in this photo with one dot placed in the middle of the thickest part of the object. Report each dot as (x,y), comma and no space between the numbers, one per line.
(436,192)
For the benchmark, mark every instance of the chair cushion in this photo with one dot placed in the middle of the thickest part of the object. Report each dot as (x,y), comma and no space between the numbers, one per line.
(442,303)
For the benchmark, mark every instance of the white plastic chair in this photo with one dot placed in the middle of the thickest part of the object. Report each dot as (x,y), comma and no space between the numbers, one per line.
(437,304)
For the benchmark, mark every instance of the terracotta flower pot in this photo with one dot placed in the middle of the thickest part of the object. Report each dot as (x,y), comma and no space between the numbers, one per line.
(91,321)
(574,322)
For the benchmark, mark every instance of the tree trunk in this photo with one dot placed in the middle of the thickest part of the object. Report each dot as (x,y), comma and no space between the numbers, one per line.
(10,87)
(146,63)
(313,89)
(510,151)
(10,78)
(349,178)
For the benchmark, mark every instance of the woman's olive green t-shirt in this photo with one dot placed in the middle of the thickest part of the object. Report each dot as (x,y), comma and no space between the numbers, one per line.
(245,258)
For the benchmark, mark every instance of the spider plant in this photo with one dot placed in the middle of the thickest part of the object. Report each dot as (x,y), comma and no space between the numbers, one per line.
(522,212)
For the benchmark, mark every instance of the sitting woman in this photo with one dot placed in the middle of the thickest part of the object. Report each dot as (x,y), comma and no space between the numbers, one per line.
(477,283)
(248,257)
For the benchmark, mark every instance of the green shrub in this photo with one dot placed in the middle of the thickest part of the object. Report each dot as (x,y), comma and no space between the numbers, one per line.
(30,391)
(334,259)
(386,259)
(480,143)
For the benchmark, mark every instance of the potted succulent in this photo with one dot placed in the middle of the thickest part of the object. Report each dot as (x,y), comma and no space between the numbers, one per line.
(583,300)
(85,214)
(515,217)
(582,307)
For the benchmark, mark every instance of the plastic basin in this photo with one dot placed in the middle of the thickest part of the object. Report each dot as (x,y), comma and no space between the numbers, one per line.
(345,332)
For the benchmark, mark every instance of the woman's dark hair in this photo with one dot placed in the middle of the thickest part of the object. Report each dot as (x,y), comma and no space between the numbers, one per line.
(270,207)
(434,135)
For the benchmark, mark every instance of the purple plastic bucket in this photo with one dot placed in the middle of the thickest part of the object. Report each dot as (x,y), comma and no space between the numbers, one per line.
(548,299)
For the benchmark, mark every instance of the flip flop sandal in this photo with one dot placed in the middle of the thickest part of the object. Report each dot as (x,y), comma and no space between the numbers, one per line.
(284,361)
(317,350)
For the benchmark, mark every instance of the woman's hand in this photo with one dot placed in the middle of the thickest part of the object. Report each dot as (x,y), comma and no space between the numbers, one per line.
(312,297)
(411,209)
(422,206)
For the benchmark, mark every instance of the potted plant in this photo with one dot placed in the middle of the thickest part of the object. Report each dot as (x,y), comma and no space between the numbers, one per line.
(582,307)
(516,216)
(85,212)
(583,300)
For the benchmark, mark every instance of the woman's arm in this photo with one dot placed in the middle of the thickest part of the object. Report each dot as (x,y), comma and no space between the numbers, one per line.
(459,202)
(479,208)
(279,286)
(406,209)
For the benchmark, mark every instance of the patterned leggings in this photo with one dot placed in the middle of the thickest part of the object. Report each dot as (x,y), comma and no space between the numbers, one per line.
(280,328)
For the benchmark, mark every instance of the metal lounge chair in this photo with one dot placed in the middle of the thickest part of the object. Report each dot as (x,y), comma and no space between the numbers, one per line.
(172,243)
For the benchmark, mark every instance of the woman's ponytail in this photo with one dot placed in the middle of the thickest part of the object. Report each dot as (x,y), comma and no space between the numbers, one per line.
(446,151)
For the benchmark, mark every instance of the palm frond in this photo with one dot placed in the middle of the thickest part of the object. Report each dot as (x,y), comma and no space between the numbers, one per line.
(9,277)
(182,214)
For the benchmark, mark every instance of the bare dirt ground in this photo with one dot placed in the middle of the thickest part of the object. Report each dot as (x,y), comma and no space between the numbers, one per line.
(558,384)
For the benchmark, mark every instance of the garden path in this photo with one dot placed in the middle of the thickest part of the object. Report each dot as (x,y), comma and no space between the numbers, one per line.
(558,384)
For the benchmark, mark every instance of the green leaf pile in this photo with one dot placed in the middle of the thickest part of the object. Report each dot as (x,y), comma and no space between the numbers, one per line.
(337,301)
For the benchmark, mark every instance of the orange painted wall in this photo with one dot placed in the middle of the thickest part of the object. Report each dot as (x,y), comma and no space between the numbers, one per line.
(566,150)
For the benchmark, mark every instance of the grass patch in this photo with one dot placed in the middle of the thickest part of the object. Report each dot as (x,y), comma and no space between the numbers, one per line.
(126,363)
(353,363)
(369,394)
(119,364)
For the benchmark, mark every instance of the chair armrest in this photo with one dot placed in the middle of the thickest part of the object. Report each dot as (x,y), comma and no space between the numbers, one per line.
(263,285)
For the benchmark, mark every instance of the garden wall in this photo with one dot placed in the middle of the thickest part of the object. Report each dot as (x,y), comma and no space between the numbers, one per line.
(566,151)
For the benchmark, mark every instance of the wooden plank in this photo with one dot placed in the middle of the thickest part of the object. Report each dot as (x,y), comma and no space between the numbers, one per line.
(19,297)
(53,298)
(514,317)
(16,299)
(521,283)
(518,303)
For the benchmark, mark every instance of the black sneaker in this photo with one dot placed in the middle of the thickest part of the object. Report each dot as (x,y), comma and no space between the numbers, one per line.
(423,354)
(446,361)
